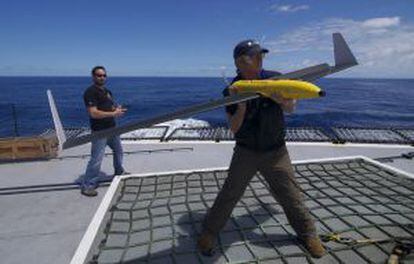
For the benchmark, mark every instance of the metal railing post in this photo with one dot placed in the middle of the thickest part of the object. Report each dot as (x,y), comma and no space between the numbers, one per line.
(16,132)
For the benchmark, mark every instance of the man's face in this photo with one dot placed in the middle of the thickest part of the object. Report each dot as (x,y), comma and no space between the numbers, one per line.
(99,77)
(250,65)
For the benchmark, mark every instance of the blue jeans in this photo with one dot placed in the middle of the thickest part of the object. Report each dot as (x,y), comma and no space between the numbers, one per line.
(91,178)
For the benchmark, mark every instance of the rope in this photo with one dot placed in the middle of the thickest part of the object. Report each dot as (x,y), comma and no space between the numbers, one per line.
(337,237)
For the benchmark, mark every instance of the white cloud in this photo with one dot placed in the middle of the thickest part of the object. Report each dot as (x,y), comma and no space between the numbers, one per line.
(288,8)
(384,46)
(381,22)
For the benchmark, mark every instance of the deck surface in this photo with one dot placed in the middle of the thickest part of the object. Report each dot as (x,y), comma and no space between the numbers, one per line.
(44,217)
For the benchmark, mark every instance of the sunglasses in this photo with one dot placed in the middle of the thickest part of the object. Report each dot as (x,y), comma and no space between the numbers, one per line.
(261,55)
(100,75)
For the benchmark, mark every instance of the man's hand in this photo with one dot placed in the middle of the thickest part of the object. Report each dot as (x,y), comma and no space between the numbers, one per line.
(119,111)
(288,105)
(241,105)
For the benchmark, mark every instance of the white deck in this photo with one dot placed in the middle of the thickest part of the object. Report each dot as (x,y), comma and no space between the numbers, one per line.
(47,226)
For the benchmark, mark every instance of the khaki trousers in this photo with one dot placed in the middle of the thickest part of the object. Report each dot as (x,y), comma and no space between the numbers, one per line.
(276,168)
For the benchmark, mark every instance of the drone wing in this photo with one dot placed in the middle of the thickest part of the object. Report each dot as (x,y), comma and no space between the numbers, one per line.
(183,113)
(343,59)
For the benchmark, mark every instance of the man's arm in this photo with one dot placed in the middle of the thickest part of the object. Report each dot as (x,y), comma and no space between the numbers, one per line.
(235,116)
(236,120)
(98,114)
(287,105)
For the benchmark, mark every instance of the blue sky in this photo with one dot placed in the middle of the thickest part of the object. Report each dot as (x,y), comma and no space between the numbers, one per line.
(196,38)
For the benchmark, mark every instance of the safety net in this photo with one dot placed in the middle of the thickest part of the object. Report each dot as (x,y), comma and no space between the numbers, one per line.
(70,132)
(407,133)
(307,134)
(369,135)
(363,211)
(156,133)
(293,134)
(201,133)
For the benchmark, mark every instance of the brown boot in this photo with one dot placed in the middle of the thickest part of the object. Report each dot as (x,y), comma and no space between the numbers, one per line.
(206,243)
(314,246)
(90,192)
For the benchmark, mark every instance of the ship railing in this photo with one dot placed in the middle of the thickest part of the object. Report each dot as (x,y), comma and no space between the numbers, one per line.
(336,135)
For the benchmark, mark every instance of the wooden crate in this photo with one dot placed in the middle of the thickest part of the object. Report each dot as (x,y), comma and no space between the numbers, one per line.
(28,148)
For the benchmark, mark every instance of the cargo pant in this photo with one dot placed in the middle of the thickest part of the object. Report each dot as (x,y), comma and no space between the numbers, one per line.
(276,168)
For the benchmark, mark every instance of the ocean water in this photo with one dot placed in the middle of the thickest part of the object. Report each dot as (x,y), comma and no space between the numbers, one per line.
(24,108)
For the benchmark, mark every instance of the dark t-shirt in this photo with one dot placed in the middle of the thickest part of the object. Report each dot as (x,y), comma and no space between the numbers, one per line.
(263,127)
(102,99)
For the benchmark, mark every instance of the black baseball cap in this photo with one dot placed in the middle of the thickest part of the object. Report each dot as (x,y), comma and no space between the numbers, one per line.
(248,47)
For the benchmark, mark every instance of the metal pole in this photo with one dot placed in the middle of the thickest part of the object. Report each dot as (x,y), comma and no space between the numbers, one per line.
(16,132)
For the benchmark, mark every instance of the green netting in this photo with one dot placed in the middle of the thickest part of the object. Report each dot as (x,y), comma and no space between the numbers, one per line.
(157,219)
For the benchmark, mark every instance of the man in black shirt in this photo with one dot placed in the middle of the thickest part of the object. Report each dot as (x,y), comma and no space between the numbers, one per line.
(102,112)
(259,129)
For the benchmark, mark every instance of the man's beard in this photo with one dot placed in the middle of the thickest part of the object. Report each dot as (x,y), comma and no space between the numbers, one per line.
(99,83)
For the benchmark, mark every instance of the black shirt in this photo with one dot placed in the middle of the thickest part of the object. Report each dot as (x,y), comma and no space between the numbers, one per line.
(102,99)
(263,127)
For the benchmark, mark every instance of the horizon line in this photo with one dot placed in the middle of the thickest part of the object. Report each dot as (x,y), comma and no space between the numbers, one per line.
(172,76)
